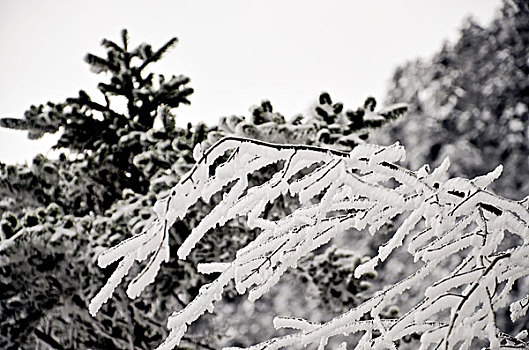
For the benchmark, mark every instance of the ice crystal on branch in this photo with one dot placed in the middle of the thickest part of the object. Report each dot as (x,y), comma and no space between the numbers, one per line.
(451,225)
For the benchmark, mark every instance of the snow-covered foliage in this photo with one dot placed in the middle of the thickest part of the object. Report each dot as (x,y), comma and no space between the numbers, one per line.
(470,246)
(328,124)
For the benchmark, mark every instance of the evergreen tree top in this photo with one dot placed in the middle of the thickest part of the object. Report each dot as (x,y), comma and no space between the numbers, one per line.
(86,122)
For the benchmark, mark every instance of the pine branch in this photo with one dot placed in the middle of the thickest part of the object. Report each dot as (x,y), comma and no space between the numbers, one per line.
(125,39)
(100,64)
(158,54)
(14,123)
(109,44)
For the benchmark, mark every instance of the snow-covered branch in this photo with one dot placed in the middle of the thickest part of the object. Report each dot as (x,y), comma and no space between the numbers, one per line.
(456,226)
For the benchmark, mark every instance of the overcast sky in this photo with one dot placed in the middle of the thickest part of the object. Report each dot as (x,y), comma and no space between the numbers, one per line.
(235,52)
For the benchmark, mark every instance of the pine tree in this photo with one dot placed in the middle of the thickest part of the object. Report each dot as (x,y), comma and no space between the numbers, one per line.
(94,131)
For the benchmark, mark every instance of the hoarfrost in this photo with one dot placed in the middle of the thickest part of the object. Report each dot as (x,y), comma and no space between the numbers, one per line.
(444,219)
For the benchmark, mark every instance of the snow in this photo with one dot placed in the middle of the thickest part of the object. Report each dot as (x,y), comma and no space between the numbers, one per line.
(443,219)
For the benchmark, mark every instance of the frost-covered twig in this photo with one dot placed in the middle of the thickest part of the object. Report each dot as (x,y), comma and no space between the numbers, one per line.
(445,220)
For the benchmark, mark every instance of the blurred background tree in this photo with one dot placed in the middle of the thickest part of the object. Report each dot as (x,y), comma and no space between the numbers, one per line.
(470,102)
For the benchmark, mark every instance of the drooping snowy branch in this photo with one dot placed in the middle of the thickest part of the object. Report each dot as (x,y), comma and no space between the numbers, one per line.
(445,220)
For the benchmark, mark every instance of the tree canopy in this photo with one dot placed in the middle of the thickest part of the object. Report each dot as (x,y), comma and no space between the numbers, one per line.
(470,102)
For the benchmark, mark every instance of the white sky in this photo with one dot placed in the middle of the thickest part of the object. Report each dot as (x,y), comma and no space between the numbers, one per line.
(236,52)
